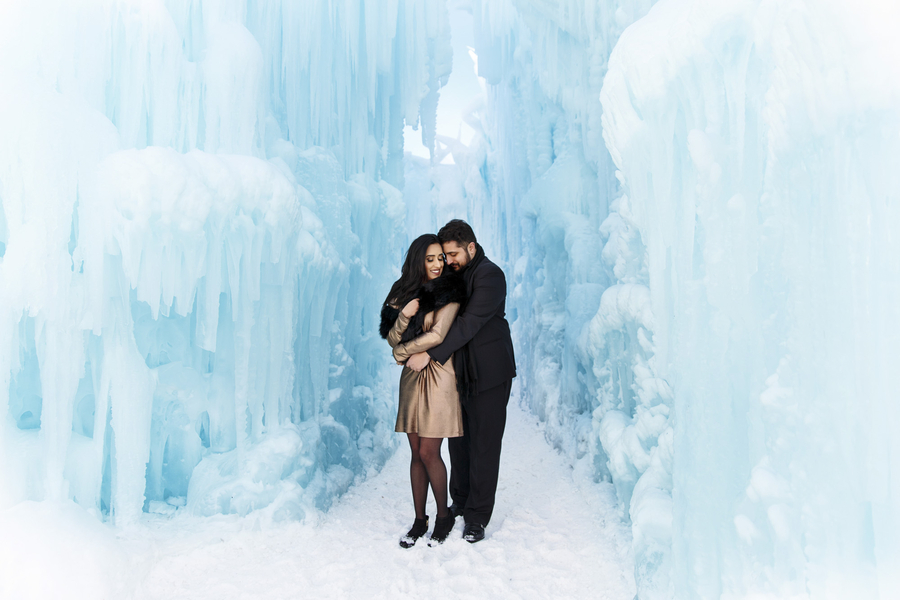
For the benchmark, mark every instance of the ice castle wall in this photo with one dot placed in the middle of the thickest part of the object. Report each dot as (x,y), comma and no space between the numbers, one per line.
(756,145)
(198,212)
(702,302)
(550,206)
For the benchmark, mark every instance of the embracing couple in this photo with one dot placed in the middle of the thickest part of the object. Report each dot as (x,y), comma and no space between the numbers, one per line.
(445,319)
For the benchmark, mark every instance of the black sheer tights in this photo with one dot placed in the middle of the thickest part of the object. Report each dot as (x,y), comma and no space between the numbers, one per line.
(427,466)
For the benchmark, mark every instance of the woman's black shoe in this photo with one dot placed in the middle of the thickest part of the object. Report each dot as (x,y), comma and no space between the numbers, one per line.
(473,532)
(442,528)
(419,528)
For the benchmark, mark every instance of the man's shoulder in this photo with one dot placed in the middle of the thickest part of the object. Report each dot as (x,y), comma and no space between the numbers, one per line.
(488,268)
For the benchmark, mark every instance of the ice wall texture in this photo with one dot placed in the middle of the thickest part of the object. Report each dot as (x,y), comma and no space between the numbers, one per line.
(198,213)
(706,311)
(579,285)
(757,145)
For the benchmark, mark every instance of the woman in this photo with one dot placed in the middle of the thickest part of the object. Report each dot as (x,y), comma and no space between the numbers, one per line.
(429,403)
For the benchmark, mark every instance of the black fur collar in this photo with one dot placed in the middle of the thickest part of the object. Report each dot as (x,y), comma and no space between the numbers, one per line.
(433,295)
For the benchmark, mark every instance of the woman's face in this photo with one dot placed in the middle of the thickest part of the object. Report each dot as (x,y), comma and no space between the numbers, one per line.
(434,261)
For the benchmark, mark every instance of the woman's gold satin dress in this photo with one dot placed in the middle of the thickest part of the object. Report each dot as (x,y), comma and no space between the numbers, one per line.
(429,402)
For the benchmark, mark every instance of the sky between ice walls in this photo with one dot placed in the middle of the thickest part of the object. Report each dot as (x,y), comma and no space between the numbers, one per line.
(199,212)
(704,274)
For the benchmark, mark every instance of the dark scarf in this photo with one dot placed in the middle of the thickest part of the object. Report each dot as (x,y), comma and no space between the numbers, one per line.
(463,361)
(433,295)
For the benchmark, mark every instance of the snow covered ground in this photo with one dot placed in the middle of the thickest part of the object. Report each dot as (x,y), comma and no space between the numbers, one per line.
(554,534)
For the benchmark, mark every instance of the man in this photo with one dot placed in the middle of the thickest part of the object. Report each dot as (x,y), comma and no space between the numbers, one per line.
(485,365)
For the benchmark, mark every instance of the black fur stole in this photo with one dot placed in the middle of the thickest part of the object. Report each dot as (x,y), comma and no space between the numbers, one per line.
(433,295)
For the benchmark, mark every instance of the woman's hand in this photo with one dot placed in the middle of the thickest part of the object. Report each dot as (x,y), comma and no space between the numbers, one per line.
(410,310)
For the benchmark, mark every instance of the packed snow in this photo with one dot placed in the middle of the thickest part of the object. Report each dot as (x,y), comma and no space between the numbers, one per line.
(554,534)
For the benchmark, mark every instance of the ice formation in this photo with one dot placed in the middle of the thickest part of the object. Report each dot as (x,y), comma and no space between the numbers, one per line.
(199,208)
(703,269)
(694,200)
(759,165)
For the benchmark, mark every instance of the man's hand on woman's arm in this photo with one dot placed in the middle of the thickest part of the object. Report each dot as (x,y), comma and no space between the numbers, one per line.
(486,299)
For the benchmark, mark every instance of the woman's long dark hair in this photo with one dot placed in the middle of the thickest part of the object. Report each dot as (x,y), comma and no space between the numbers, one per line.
(413,274)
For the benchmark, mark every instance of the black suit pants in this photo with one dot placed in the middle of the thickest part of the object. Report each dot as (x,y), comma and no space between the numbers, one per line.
(475,457)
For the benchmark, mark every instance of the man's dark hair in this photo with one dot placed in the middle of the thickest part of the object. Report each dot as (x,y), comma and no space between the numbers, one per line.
(457,231)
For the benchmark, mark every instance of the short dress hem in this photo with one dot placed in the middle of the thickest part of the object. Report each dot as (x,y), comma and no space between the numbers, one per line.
(429,402)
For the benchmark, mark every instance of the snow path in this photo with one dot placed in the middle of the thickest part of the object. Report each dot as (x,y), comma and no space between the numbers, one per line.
(550,537)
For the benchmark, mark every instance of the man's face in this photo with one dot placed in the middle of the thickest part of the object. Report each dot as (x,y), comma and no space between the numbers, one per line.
(457,256)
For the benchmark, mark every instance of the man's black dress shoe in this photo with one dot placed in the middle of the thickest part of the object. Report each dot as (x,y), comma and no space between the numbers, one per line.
(473,532)
(456,510)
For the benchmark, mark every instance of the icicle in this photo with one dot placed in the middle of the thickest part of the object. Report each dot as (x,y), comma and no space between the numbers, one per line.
(175,215)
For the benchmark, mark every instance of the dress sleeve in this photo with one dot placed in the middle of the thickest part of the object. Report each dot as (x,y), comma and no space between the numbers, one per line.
(443,318)
(397,330)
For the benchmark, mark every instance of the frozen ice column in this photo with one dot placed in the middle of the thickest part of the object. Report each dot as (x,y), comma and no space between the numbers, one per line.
(193,218)
(756,146)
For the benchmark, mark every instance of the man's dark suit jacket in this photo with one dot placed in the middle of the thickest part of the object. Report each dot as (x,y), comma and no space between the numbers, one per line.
(482,324)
